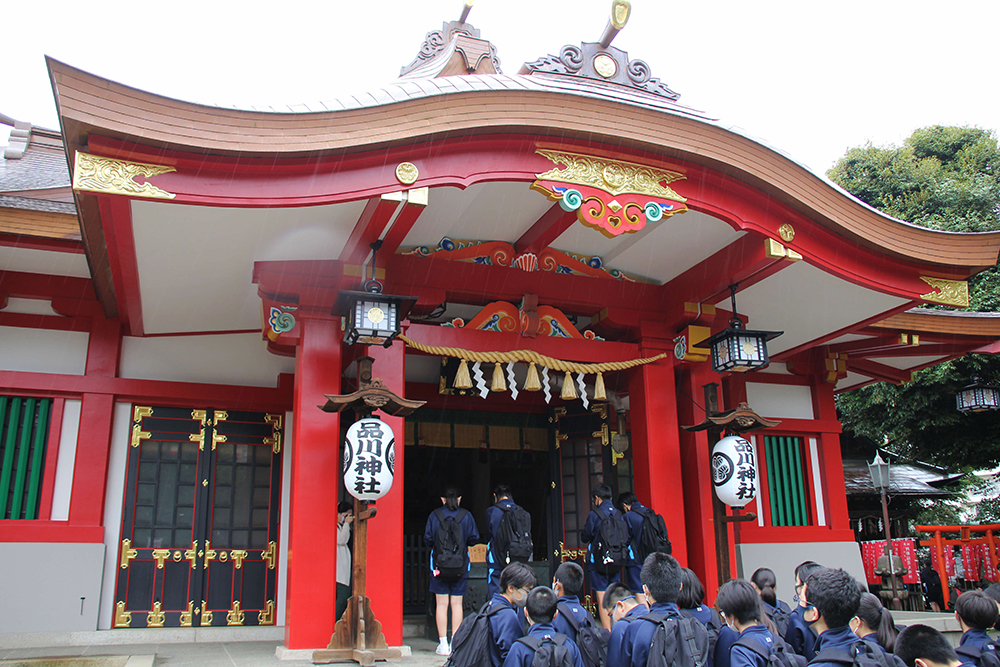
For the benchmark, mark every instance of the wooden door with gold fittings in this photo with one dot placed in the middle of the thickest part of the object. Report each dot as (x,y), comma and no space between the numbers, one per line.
(199,519)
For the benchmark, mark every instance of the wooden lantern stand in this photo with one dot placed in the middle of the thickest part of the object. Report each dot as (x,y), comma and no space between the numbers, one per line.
(357,636)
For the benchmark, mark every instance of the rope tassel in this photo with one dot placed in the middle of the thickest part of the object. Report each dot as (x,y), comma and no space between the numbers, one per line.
(462,378)
(600,394)
(498,382)
(532,383)
(568,388)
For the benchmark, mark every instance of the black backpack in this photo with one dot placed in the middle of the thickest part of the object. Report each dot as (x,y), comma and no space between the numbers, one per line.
(610,547)
(470,644)
(513,538)
(590,639)
(779,655)
(449,546)
(654,534)
(780,617)
(861,654)
(550,651)
(982,657)
(713,628)
(679,641)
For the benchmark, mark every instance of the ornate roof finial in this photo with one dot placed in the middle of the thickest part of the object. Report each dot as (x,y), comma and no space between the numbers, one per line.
(466,8)
(620,11)
(454,49)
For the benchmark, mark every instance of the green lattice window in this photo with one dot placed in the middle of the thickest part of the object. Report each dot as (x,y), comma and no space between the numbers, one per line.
(23,439)
(786,481)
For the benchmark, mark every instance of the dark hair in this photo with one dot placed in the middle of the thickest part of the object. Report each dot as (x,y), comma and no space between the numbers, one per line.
(875,616)
(738,600)
(344,506)
(518,575)
(615,593)
(502,491)
(692,592)
(570,575)
(803,571)
(542,603)
(926,643)
(993,591)
(977,610)
(661,574)
(627,498)
(765,581)
(451,496)
(835,594)
(602,491)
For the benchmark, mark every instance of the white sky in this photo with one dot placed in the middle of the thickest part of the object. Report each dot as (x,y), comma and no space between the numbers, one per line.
(811,79)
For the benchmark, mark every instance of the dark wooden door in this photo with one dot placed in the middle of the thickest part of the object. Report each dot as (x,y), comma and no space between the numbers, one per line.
(200,519)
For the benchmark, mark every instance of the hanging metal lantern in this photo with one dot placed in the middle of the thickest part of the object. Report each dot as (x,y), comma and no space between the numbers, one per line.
(738,350)
(372,318)
(978,397)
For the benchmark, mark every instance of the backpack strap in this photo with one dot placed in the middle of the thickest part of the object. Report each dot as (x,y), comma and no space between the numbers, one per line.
(838,655)
(530,642)
(970,651)
(567,613)
(753,645)
(686,629)
(872,650)
(439,513)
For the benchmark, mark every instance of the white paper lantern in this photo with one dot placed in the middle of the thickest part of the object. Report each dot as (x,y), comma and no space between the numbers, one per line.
(734,471)
(369,459)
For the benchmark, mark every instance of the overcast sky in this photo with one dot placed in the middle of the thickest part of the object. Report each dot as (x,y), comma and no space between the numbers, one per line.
(811,79)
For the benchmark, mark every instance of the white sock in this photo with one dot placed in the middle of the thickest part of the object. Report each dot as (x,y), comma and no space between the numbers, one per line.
(443,641)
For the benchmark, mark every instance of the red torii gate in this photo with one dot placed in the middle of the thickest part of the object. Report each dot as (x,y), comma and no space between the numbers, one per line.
(965,533)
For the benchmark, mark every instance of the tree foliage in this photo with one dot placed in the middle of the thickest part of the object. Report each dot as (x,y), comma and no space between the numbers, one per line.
(945,178)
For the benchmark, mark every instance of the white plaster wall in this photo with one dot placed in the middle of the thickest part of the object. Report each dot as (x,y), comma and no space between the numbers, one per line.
(43,350)
(113,498)
(783,558)
(239,359)
(63,484)
(780,400)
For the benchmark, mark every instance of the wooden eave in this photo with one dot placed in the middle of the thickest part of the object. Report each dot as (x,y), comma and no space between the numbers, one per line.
(42,224)
(952,323)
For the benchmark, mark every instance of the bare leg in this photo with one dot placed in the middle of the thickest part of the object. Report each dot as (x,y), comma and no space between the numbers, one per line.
(605,618)
(456,613)
(441,613)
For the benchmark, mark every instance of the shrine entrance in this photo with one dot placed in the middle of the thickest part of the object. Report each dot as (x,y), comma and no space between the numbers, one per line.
(200,519)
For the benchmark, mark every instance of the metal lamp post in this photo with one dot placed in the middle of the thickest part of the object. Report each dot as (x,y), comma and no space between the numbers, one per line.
(879,470)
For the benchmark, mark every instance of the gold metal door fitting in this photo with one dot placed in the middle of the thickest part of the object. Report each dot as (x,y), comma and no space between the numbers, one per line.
(160,555)
(186,616)
(266,616)
(235,615)
(155,618)
(192,554)
(270,554)
(128,553)
(238,555)
(123,619)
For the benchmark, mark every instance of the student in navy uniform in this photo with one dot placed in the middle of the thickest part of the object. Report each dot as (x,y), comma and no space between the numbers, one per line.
(976,613)
(764,581)
(692,596)
(833,598)
(874,623)
(506,626)
(622,607)
(741,607)
(448,594)
(799,634)
(923,646)
(661,582)
(598,581)
(631,507)
(568,584)
(502,498)
(539,611)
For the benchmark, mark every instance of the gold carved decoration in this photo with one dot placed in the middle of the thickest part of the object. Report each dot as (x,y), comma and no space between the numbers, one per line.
(266,616)
(216,439)
(775,250)
(603,434)
(160,555)
(192,554)
(186,616)
(199,438)
(270,554)
(605,66)
(138,435)
(94,173)
(200,415)
(570,554)
(786,232)
(275,439)
(155,618)
(178,556)
(221,416)
(614,176)
(206,615)
(140,412)
(123,618)
(235,615)
(407,173)
(210,553)
(128,553)
(238,555)
(223,556)
(949,292)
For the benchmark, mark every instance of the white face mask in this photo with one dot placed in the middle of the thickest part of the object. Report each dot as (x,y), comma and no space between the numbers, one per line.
(519,601)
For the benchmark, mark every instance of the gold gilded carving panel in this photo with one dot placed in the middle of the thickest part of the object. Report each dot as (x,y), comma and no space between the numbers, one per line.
(94,173)
(613,176)
(947,292)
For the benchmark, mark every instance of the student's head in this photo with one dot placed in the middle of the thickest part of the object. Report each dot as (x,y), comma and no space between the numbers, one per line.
(802,573)
(835,595)
(502,491)
(602,492)
(739,601)
(923,646)
(618,599)
(692,592)
(661,577)
(626,500)
(765,582)
(569,576)
(541,607)
(451,497)
(976,611)
(993,592)
(344,509)
(516,580)
(873,617)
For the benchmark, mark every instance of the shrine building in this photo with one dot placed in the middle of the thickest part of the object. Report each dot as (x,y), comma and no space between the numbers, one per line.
(170,324)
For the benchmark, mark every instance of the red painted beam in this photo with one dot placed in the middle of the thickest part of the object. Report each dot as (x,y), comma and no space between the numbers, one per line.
(943,349)
(43,286)
(404,222)
(546,229)
(879,371)
(378,211)
(41,243)
(52,322)
(116,218)
(50,531)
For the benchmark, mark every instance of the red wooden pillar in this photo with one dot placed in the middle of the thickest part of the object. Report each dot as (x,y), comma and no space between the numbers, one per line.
(830,461)
(385,533)
(656,453)
(312,532)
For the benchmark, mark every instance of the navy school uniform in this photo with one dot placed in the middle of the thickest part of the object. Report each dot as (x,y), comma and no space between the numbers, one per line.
(494,514)
(522,656)
(702,613)
(836,638)
(619,651)
(506,627)
(598,581)
(579,613)
(722,653)
(633,566)
(800,636)
(639,633)
(873,638)
(471,534)
(972,638)
(741,656)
